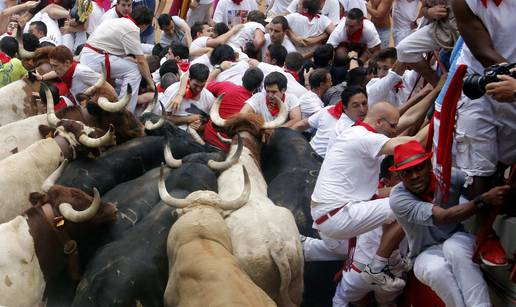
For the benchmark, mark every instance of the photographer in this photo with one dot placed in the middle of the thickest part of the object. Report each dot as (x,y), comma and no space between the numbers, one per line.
(503,90)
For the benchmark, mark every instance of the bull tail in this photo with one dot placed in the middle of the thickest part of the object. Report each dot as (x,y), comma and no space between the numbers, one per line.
(281,260)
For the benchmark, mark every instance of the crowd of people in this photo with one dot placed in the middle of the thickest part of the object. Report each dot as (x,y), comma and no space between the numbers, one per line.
(375,86)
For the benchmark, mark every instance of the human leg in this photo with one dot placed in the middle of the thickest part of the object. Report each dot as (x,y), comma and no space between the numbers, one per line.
(431,268)
(129,74)
(351,288)
(325,249)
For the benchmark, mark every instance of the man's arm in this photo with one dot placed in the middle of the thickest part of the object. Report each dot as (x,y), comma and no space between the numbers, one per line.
(379,89)
(382,10)
(200,51)
(370,52)
(459,213)
(259,39)
(503,90)
(143,66)
(183,120)
(247,109)
(176,100)
(294,116)
(301,125)
(475,35)
(222,39)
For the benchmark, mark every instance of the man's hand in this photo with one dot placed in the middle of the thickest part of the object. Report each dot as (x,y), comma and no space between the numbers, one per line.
(31,4)
(503,90)
(253,63)
(175,102)
(437,12)
(306,73)
(352,54)
(237,27)
(496,196)
(226,65)
(196,124)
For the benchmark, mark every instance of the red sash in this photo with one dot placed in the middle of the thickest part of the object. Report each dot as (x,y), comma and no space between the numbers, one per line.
(4,58)
(67,77)
(293,73)
(336,110)
(106,61)
(310,16)
(497,2)
(360,122)
(273,107)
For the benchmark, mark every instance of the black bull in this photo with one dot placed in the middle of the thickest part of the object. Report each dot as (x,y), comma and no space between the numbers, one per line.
(290,170)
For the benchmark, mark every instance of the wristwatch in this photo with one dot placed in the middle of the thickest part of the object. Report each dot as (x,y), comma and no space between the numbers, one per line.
(480,203)
(218,67)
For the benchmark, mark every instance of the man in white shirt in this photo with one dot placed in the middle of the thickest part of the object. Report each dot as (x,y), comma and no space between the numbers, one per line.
(232,12)
(355,29)
(275,54)
(308,28)
(112,43)
(121,9)
(267,103)
(277,35)
(330,9)
(189,93)
(404,15)
(342,205)
(352,107)
(310,102)
(205,38)
(253,31)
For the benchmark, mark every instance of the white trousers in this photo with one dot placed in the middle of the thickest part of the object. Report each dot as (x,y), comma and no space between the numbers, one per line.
(357,218)
(123,70)
(412,47)
(325,249)
(352,288)
(448,269)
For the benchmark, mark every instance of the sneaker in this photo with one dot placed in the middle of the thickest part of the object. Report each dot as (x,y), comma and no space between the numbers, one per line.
(492,253)
(404,265)
(384,279)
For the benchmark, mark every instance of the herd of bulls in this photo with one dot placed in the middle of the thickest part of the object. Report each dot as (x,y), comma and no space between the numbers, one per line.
(115,227)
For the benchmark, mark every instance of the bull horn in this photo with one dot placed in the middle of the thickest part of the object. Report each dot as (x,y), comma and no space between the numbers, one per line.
(223,139)
(214,112)
(151,105)
(97,142)
(92,89)
(51,180)
(149,125)
(165,196)
(109,106)
(51,115)
(240,200)
(22,52)
(72,215)
(224,165)
(279,120)
(169,158)
(193,133)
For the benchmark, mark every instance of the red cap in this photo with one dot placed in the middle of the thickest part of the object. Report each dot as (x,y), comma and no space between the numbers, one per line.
(408,155)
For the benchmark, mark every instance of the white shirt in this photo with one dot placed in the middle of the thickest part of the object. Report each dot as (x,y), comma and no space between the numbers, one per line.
(278,7)
(258,104)
(342,124)
(331,9)
(204,59)
(118,36)
(286,43)
(404,12)
(293,87)
(352,4)
(500,23)
(83,77)
(310,103)
(325,123)
(204,103)
(349,171)
(233,74)
(53,32)
(109,14)
(198,43)
(246,34)
(303,27)
(94,19)
(383,89)
(369,37)
(230,13)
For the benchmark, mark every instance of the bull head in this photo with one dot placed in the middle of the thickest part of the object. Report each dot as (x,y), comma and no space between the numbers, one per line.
(117,106)
(204,198)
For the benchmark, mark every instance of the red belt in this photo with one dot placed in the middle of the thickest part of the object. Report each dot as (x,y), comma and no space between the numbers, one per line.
(323,218)
(106,60)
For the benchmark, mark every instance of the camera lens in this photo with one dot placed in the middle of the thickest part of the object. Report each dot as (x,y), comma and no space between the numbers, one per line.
(473,86)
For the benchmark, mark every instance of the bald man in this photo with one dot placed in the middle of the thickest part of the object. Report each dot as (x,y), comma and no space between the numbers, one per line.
(344,203)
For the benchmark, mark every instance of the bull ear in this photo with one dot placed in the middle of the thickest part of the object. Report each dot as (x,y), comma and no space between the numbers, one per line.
(46,131)
(94,109)
(36,198)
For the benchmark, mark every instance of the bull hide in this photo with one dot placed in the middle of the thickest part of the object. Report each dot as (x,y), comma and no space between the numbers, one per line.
(264,236)
(16,101)
(135,267)
(16,136)
(24,173)
(290,169)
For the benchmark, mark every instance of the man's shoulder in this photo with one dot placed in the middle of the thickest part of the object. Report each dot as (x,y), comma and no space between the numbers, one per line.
(399,196)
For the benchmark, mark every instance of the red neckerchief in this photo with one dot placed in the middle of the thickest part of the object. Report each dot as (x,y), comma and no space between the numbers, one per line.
(293,73)
(355,37)
(398,86)
(310,16)
(62,104)
(273,107)
(67,77)
(184,65)
(189,94)
(497,2)
(360,122)
(336,110)
(237,2)
(428,194)
(159,88)
(118,13)
(4,58)
(9,33)
(131,19)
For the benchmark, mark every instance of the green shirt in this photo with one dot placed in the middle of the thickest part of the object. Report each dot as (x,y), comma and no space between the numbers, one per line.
(11,71)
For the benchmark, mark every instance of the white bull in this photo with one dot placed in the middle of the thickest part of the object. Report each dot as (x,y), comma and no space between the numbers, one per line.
(16,136)
(265,237)
(203,271)
(16,101)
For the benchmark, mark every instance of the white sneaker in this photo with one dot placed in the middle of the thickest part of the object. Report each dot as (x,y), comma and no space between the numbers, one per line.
(384,279)
(404,265)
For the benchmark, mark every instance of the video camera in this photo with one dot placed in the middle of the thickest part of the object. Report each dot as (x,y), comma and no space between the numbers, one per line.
(474,85)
